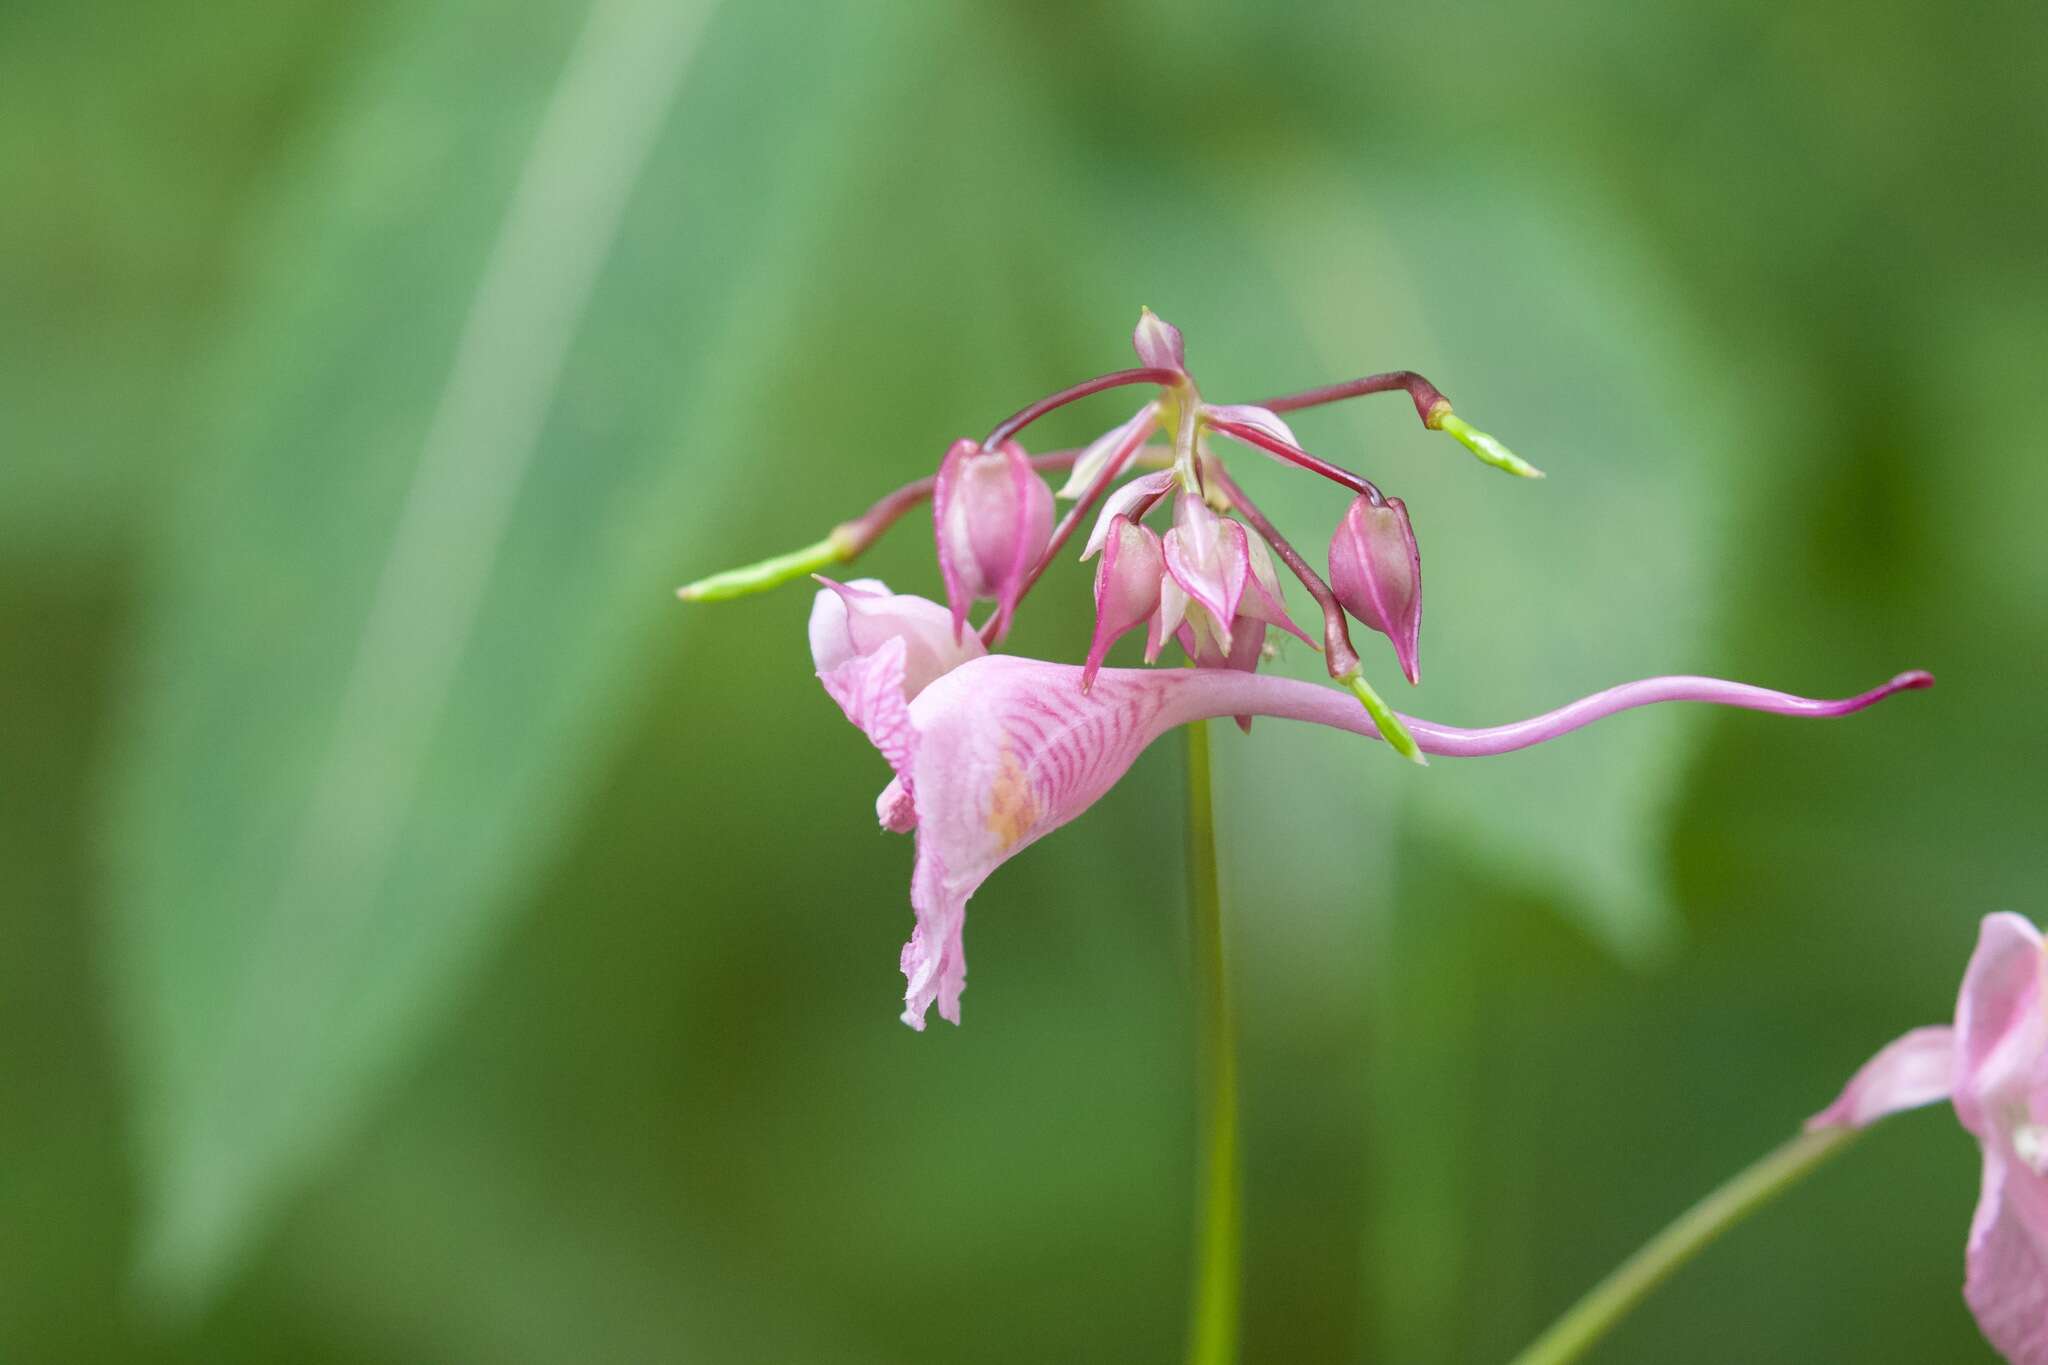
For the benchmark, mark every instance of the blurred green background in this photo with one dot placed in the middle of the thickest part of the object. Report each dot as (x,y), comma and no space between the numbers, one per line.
(424,939)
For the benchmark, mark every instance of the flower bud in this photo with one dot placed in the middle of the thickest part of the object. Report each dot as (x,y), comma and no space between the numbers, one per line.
(1158,343)
(1209,557)
(853,620)
(1376,573)
(1126,588)
(992,516)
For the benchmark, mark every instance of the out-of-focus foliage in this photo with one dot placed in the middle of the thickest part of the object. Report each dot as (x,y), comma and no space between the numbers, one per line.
(506,972)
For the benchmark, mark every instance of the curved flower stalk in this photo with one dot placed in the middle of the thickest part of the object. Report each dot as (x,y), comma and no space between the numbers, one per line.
(1992,1066)
(1003,750)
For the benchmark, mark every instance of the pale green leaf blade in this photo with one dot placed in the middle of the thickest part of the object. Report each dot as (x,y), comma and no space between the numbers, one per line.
(527,299)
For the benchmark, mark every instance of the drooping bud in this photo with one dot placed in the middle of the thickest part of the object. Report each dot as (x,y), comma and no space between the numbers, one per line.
(1376,573)
(1208,556)
(1126,588)
(992,518)
(853,620)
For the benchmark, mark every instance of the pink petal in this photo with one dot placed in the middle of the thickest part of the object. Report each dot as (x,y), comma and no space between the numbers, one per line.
(1166,622)
(1263,600)
(934,961)
(1112,447)
(1908,1072)
(2006,1262)
(2000,997)
(957,566)
(831,634)
(856,618)
(895,809)
(1208,556)
(869,689)
(1122,501)
(1030,531)
(1126,589)
(1005,750)
(1251,415)
(1159,343)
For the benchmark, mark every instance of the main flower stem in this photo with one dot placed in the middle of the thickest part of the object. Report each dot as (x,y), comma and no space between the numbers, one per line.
(1608,1302)
(1213,1313)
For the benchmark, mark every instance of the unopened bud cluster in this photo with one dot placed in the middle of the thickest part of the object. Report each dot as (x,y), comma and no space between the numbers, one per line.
(1205,577)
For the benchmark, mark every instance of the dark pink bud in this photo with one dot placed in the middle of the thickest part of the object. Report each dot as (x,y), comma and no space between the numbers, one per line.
(1126,588)
(992,517)
(1376,572)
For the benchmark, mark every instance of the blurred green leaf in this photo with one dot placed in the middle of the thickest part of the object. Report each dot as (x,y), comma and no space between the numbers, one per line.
(133,140)
(1548,326)
(520,306)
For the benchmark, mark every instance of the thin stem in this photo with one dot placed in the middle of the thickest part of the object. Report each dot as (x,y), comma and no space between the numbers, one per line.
(1430,405)
(767,573)
(1213,1312)
(1186,426)
(1426,395)
(1338,651)
(1294,454)
(846,543)
(1118,462)
(1608,1302)
(1025,416)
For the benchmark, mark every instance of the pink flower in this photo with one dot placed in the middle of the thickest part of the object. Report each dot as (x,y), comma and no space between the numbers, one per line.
(1992,1065)
(992,517)
(1000,751)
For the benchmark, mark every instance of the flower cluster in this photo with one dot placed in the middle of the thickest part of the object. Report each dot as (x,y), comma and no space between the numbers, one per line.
(991,752)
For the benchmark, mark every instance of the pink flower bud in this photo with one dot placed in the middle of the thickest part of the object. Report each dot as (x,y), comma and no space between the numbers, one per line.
(1158,343)
(992,516)
(1376,572)
(1126,588)
(1208,556)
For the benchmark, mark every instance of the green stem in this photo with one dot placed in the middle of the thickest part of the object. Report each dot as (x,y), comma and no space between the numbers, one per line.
(769,573)
(1608,1302)
(1212,1319)
(1390,727)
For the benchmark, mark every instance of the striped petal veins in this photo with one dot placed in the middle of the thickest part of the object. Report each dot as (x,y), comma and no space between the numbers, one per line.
(1005,750)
